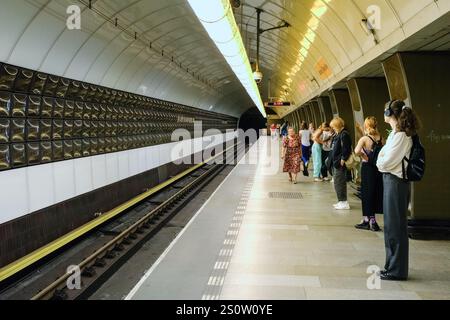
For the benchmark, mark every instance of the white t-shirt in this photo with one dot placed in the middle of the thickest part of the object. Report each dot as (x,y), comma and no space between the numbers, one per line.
(327,145)
(306,137)
(398,146)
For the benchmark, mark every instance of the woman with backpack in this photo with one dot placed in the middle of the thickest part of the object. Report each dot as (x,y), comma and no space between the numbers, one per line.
(368,149)
(396,197)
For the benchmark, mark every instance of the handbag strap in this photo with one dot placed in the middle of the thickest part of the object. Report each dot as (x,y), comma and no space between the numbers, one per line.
(403,167)
(373,140)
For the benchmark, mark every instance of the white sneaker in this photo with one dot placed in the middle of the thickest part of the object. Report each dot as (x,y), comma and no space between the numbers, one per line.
(343,206)
(337,204)
(326,179)
(318,180)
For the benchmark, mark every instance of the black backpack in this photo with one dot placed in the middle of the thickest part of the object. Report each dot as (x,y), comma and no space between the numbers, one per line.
(415,169)
(373,157)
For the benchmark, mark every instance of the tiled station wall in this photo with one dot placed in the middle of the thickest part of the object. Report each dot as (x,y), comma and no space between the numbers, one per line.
(69,149)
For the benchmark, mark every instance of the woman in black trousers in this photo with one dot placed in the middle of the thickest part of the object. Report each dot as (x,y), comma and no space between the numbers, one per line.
(396,195)
(371,178)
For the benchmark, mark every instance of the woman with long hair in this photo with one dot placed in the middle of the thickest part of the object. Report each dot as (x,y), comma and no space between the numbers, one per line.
(305,137)
(371,179)
(317,153)
(396,195)
(292,155)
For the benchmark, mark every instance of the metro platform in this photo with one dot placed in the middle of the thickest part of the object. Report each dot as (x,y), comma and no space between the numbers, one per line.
(259,237)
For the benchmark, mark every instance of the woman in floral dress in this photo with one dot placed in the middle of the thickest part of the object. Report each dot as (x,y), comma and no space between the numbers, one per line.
(292,154)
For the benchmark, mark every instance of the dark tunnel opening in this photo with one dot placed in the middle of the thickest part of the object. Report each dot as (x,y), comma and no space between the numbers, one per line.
(252,119)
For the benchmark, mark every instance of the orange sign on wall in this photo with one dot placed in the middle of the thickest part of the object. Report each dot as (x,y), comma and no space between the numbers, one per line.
(323,69)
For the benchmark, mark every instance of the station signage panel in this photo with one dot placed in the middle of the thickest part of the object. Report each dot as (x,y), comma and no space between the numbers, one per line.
(277,104)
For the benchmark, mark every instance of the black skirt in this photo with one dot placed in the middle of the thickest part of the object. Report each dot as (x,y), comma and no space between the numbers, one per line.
(371,190)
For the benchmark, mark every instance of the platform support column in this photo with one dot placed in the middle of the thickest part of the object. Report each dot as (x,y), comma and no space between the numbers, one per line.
(325,105)
(309,114)
(422,79)
(368,97)
(318,114)
(342,107)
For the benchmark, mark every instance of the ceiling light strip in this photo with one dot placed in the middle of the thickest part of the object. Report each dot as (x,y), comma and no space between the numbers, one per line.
(218,20)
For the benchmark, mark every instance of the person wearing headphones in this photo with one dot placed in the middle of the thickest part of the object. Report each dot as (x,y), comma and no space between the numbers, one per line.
(396,196)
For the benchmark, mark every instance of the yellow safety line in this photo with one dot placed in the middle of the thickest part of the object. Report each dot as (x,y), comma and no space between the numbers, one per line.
(19,265)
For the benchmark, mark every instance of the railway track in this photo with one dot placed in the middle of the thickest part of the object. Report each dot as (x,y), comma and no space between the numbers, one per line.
(77,272)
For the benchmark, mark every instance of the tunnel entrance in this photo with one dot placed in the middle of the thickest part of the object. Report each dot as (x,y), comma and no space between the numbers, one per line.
(252,119)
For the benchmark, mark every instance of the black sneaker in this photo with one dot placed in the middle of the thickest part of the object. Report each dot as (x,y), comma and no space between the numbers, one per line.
(390,277)
(375,227)
(365,225)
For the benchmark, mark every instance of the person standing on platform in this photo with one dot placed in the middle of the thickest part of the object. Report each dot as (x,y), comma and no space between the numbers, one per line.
(311,129)
(396,195)
(305,136)
(327,139)
(368,149)
(284,129)
(273,130)
(317,153)
(341,151)
(292,155)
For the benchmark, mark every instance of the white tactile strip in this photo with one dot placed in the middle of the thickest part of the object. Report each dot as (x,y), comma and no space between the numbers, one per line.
(216,279)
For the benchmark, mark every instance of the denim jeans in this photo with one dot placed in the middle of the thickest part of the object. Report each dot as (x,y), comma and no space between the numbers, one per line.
(317,159)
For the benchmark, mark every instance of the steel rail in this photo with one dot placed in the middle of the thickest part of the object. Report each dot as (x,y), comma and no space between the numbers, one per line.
(61,282)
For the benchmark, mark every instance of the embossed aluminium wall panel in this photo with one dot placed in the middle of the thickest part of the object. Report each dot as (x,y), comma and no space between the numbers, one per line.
(29,189)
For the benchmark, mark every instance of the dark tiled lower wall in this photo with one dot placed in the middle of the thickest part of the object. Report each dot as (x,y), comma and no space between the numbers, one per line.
(22,236)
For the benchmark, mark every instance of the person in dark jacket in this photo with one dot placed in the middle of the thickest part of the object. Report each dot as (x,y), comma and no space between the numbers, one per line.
(341,151)
(284,129)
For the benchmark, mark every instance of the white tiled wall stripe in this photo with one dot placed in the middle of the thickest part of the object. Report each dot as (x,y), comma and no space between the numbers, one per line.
(26,190)
(217,277)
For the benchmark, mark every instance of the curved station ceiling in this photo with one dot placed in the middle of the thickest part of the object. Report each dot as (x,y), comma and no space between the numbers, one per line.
(160,49)
(327,40)
(154,48)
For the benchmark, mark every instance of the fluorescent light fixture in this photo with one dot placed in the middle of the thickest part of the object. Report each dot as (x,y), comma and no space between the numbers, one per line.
(217,18)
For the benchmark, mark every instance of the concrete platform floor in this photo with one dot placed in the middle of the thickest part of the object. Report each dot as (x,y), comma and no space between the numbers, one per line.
(304,249)
(292,245)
